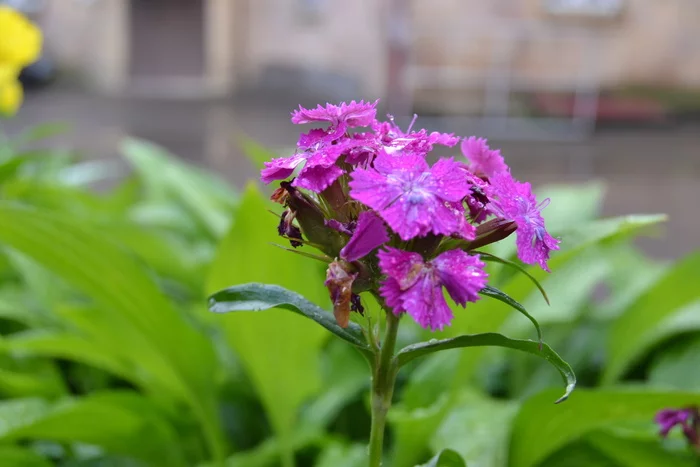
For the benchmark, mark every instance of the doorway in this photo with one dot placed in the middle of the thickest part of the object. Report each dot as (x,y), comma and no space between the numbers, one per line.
(167,43)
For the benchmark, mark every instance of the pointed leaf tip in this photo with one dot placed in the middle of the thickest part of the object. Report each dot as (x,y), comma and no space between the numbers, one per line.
(491,339)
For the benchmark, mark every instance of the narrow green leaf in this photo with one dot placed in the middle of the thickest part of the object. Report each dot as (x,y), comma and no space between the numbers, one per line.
(446,458)
(259,297)
(115,421)
(489,257)
(493,292)
(540,429)
(542,350)
(71,347)
(669,306)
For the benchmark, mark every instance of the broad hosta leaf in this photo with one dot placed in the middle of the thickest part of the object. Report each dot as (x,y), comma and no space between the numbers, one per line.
(117,422)
(342,455)
(446,458)
(15,456)
(345,375)
(411,427)
(162,342)
(477,428)
(541,428)
(267,453)
(630,452)
(260,297)
(670,305)
(410,352)
(677,366)
(278,349)
(207,199)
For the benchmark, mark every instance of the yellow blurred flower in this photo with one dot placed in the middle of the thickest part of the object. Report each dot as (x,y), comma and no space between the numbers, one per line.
(11,96)
(20,39)
(8,72)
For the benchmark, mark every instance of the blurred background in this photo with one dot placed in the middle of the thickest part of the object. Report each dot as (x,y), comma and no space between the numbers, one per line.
(569,89)
(110,245)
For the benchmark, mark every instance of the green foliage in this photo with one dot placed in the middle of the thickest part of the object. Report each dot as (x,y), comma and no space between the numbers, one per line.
(109,357)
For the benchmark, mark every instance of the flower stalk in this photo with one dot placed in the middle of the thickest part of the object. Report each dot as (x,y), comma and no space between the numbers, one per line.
(397,226)
(383,381)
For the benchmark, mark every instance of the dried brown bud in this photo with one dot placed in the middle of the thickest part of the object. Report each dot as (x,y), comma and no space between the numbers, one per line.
(280,195)
(339,282)
(286,228)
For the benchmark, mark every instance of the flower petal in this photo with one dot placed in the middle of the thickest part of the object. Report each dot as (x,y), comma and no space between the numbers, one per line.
(462,275)
(425,303)
(482,159)
(369,235)
(280,168)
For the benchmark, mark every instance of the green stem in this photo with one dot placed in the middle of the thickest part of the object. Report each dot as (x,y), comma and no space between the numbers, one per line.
(383,379)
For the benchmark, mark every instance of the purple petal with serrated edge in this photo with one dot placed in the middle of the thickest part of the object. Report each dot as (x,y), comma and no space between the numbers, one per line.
(514,201)
(449,181)
(280,168)
(425,303)
(482,159)
(400,265)
(413,199)
(353,114)
(462,275)
(317,178)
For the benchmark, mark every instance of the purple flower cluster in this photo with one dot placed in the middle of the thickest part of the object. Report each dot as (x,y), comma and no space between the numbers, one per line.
(372,189)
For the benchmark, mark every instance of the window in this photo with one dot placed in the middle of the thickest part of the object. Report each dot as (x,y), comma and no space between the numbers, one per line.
(584,7)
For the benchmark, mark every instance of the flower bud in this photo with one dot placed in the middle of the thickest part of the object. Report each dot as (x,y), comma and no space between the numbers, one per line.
(312,221)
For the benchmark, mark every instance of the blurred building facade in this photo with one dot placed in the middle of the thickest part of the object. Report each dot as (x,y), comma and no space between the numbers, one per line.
(216,47)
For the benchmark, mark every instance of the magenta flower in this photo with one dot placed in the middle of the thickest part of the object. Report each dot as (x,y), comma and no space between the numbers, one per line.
(370,233)
(514,201)
(341,117)
(477,201)
(320,169)
(413,198)
(393,139)
(415,287)
(483,161)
